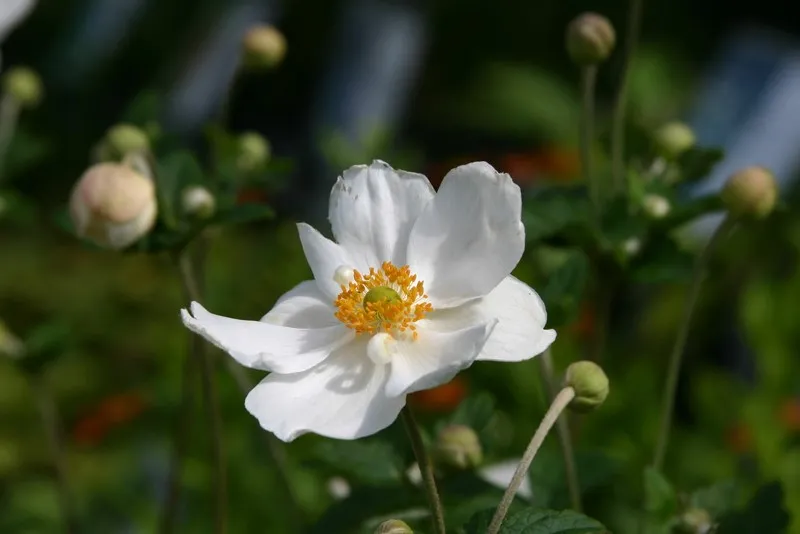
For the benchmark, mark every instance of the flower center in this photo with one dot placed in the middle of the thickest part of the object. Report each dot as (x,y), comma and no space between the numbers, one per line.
(389,299)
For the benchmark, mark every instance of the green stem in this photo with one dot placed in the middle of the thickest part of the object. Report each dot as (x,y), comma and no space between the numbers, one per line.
(425,468)
(588,77)
(199,353)
(676,356)
(9,116)
(48,411)
(564,435)
(560,402)
(620,102)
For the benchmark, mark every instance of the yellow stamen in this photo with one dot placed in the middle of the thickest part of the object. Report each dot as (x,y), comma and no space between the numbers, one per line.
(389,299)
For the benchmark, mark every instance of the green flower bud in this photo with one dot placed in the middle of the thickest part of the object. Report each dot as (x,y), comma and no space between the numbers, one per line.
(10,345)
(458,446)
(113,205)
(393,526)
(750,193)
(126,138)
(673,139)
(24,85)
(264,47)
(254,152)
(694,521)
(590,39)
(656,206)
(198,201)
(590,384)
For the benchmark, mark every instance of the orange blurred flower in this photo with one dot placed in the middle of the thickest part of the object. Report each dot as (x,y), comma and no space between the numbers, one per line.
(111,412)
(789,414)
(739,438)
(444,398)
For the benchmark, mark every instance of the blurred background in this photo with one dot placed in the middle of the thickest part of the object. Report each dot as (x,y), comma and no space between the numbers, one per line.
(424,85)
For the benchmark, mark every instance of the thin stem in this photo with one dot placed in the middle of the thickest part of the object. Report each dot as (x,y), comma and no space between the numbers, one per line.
(199,353)
(180,442)
(48,411)
(618,121)
(564,435)
(676,356)
(9,116)
(560,402)
(588,77)
(425,468)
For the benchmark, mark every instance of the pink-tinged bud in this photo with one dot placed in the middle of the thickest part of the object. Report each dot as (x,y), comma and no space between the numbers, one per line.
(113,206)
(750,193)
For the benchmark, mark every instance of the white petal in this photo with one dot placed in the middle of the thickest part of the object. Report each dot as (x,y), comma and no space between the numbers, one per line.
(469,237)
(500,475)
(11,13)
(324,257)
(519,334)
(303,306)
(372,210)
(343,397)
(280,349)
(435,357)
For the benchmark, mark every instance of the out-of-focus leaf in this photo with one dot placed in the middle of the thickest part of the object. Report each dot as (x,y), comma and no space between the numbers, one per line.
(718,499)
(243,213)
(765,513)
(43,345)
(698,162)
(15,208)
(660,499)
(662,261)
(683,213)
(369,461)
(564,288)
(550,211)
(475,412)
(366,507)
(144,109)
(549,480)
(537,521)
(24,151)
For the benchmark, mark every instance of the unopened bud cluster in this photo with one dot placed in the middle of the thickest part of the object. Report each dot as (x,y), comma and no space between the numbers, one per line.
(590,39)
(750,193)
(590,384)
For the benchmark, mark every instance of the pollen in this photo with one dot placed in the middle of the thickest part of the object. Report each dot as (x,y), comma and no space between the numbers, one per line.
(389,299)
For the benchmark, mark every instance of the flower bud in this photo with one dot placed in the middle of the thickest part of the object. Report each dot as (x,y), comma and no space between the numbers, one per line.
(458,446)
(10,345)
(393,526)
(695,521)
(631,246)
(113,206)
(126,138)
(750,193)
(254,152)
(338,488)
(24,85)
(673,139)
(264,47)
(590,39)
(590,384)
(656,206)
(198,201)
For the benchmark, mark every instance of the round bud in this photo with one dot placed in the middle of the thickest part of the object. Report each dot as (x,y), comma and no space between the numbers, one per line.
(695,521)
(590,384)
(24,85)
(750,193)
(264,47)
(126,138)
(458,446)
(112,205)
(10,345)
(656,206)
(338,488)
(632,246)
(254,152)
(393,526)
(590,39)
(673,139)
(198,201)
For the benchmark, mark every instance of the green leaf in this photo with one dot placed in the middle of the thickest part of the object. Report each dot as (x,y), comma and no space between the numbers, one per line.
(660,499)
(698,162)
(662,261)
(44,344)
(764,514)
(243,213)
(369,461)
(717,499)
(536,521)
(688,211)
(475,412)
(367,506)
(24,151)
(549,480)
(550,211)
(564,288)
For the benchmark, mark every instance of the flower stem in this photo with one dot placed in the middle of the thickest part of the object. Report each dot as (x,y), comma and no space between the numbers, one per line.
(618,121)
(676,356)
(425,468)
(48,411)
(560,402)
(564,435)
(9,116)
(199,353)
(588,77)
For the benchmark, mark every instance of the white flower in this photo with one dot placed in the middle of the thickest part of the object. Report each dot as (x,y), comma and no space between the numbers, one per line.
(12,12)
(415,288)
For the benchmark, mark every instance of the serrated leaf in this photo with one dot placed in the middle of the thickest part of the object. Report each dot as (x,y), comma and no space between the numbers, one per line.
(563,291)
(537,521)
(369,461)
(765,513)
(698,162)
(660,499)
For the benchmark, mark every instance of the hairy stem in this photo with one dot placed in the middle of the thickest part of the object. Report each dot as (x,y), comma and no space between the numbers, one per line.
(425,468)
(588,77)
(676,357)
(560,402)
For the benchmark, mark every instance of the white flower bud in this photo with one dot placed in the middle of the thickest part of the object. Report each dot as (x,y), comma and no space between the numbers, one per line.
(632,246)
(656,206)
(393,526)
(24,85)
(695,521)
(590,384)
(338,488)
(198,201)
(113,206)
(254,152)
(264,47)
(750,193)
(458,446)
(673,139)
